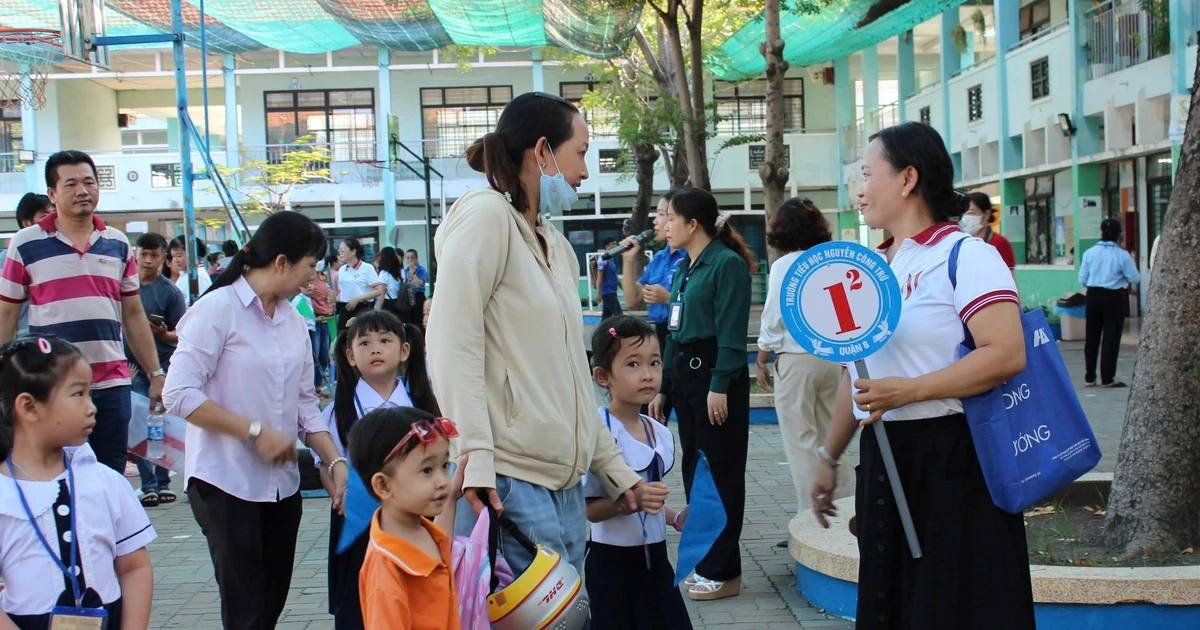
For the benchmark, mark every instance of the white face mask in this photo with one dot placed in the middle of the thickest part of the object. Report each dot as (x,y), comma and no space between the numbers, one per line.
(970,223)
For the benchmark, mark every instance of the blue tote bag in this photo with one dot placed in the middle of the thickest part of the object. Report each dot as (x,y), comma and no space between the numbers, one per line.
(1030,433)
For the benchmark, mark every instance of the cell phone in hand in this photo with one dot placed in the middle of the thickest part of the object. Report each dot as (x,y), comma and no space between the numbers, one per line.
(156,319)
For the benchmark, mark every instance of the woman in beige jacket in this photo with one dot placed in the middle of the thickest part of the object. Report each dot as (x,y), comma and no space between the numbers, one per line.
(506,343)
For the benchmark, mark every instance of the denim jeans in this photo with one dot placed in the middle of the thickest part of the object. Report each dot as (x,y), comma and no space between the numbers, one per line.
(110,437)
(154,477)
(554,518)
(320,345)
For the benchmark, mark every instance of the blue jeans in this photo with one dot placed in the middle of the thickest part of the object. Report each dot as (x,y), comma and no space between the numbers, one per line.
(320,346)
(556,519)
(111,436)
(154,477)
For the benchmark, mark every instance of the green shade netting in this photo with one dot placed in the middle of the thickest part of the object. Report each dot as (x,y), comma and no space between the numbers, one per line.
(157,15)
(597,28)
(812,39)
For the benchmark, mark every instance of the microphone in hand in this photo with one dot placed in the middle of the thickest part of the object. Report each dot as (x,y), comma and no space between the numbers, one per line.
(621,249)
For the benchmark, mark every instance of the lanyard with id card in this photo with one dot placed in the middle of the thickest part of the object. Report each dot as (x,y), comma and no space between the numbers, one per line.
(65,617)
(675,314)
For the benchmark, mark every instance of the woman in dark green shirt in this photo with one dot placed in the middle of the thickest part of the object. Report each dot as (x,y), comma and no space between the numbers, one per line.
(706,370)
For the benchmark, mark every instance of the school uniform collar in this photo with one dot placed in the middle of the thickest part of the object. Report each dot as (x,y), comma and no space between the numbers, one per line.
(404,554)
(41,495)
(370,399)
(48,223)
(929,236)
(638,455)
(1106,243)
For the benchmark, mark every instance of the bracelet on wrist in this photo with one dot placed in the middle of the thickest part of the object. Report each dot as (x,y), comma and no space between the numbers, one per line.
(340,460)
(675,521)
(829,459)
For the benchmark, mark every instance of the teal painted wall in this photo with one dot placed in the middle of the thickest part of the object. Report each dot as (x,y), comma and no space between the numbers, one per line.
(1043,287)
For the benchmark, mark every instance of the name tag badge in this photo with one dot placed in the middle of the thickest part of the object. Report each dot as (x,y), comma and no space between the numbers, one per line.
(675,318)
(72,618)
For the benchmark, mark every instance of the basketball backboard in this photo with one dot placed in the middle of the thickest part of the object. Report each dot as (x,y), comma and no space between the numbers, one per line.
(82,23)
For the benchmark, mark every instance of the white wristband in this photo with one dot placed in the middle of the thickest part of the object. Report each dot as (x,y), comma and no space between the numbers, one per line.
(340,460)
(827,457)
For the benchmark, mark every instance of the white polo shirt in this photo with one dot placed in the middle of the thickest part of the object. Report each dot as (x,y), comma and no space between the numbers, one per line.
(625,530)
(933,312)
(110,520)
(356,281)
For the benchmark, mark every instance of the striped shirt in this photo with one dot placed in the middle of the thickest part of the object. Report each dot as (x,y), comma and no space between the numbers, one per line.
(75,295)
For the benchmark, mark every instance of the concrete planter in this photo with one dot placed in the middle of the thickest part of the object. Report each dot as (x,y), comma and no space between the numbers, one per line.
(1066,598)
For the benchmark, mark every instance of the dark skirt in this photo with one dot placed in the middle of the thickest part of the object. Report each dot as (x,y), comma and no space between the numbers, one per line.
(626,595)
(974,569)
(344,602)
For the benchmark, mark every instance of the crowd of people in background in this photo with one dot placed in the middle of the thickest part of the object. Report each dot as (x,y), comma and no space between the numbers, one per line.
(482,402)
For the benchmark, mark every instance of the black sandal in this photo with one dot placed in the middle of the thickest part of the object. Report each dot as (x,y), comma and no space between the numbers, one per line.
(1114,384)
(166,496)
(149,499)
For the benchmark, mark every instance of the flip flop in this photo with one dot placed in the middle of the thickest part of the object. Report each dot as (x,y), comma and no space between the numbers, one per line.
(166,496)
(1114,384)
(1089,384)
(149,499)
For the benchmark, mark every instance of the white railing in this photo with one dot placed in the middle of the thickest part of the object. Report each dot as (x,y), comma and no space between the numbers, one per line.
(853,139)
(886,116)
(1124,33)
(348,162)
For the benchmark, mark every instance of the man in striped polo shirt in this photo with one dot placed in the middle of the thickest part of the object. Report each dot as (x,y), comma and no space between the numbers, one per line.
(81,282)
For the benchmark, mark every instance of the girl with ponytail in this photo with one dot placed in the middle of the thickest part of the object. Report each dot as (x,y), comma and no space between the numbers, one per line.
(705,372)
(380,364)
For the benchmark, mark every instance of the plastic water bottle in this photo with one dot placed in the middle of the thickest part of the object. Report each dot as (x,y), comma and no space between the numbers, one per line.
(155,434)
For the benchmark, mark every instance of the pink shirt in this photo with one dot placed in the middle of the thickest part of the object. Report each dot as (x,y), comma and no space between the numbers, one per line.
(252,365)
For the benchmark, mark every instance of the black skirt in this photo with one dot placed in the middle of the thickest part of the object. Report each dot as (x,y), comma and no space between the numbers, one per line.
(974,569)
(344,603)
(626,595)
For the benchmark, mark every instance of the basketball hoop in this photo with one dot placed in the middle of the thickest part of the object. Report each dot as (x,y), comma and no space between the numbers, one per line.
(26,55)
(370,172)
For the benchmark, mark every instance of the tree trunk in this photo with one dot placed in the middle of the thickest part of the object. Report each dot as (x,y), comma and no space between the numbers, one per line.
(700,127)
(1155,500)
(773,171)
(679,175)
(697,172)
(645,156)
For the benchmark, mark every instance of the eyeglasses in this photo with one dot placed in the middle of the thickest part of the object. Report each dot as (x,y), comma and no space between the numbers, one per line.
(426,432)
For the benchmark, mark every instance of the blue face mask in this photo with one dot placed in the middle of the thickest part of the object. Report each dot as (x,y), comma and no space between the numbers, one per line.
(556,194)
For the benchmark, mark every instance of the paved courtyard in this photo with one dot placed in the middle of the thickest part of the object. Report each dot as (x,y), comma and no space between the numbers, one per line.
(186,595)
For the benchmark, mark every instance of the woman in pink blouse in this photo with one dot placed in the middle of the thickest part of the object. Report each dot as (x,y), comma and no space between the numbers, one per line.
(242,377)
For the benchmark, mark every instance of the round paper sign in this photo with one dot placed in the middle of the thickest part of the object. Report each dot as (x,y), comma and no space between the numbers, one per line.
(840,301)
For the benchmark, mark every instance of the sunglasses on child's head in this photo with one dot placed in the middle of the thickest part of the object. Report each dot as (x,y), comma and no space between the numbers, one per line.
(426,432)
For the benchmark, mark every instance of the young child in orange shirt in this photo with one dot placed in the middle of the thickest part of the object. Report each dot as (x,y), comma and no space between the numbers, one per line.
(403,457)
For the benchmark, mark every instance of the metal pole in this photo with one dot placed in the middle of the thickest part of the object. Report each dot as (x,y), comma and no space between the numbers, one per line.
(29,130)
(428,224)
(889,464)
(185,149)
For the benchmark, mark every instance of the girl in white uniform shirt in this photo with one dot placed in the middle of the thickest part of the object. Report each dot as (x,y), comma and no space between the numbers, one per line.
(974,573)
(382,363)
(72,534)
(358,283)
(629,576)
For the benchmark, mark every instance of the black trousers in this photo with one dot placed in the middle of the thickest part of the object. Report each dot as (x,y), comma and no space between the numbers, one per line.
(628,595)
(974,569)
(724,445)
(1105,321)
(253,548)
(610,306)
(660,331)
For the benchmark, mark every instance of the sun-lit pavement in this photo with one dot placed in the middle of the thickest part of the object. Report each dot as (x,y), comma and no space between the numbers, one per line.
(186,595)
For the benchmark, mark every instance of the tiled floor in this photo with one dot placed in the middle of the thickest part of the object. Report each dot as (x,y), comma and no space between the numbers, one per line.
(186,595)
